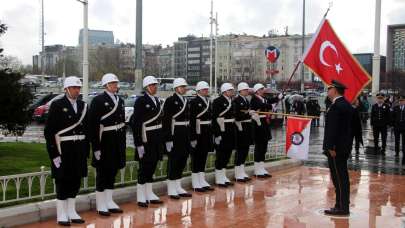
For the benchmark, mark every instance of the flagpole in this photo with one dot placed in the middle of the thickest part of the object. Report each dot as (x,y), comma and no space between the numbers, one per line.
(286,114)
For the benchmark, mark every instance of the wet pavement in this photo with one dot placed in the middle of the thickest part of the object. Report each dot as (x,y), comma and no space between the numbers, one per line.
(293,198)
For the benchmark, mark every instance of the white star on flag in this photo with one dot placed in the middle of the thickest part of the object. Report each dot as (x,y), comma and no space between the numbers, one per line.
(338,68)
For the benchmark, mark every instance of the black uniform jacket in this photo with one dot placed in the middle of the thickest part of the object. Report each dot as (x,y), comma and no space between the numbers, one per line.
(338,128)
(73,154)
(113,143)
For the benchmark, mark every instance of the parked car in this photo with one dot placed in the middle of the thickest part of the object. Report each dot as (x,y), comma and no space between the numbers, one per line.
(41,112)
(40,99)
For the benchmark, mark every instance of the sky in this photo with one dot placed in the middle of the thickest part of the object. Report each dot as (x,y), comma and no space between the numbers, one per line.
(166,20)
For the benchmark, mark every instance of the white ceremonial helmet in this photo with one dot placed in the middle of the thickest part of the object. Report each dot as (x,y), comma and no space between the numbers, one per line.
(243,86)
(226,86)
(179,82)
(107,78)
(202,85)
(72,81)
(149,80)
(257,87)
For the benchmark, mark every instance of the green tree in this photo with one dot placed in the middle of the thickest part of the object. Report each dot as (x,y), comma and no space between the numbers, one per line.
(14,99)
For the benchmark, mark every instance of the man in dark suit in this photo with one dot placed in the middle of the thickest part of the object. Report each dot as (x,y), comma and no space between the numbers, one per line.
(398,121)
(146,124)
(201,135)
(108,138)
(223,117)
(176,127)
(68,147)
(337,144)
(380,118)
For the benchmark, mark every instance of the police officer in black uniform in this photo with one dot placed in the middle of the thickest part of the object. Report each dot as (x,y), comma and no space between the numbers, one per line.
(201,136)
(337,144)
(146,124)
(261,128)
(177,136)
(380,118)
(398,121)
(223,118)
(108,138)
(244,135)
(68,147)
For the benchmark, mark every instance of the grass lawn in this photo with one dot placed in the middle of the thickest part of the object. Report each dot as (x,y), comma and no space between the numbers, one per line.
(18,157)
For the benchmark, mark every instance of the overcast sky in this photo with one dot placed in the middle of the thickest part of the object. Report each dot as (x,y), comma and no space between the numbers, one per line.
(166,20)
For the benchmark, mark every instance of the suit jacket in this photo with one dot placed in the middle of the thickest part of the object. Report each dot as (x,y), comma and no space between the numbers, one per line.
(338,128)
(219,105)
(244,136)
(74,154)
(380,116)
(398,118)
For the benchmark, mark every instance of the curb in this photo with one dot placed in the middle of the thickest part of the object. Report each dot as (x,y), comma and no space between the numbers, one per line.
(44,210)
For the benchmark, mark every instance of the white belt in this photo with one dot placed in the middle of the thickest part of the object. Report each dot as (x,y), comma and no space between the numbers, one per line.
(72,138)
(262,116)
(229,120)
(181,123)
(246,121)
(114,127)
(205,122)
(151,128)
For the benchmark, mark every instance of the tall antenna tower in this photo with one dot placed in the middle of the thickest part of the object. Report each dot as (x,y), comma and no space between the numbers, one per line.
(41,37)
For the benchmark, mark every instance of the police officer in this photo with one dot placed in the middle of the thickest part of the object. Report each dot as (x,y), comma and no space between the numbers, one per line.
(380,118)
(261,128)
(146,124)
(243,122)
(224,132)
(337,145)
(68,147)
(201,136)
(108,139)
(314,109)
(177,136)
(398,121)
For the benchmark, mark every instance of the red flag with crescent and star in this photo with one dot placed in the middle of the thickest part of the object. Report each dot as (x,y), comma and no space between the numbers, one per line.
(328,58)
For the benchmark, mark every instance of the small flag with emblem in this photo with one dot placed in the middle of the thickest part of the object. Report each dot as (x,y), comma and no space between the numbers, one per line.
(297,141)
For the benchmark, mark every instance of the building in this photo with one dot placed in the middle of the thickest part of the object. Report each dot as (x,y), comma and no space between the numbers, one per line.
(166,62)
(396,48)
(366,61)
(242,58)
(192,58)
(97,37)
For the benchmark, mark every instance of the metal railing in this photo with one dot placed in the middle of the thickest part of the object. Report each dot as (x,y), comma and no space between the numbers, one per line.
(25,187)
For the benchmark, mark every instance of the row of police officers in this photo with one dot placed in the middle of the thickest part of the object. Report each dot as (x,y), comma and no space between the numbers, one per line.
(178,127)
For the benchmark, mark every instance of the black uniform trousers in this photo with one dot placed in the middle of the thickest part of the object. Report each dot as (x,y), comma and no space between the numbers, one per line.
(179,154)
(398,133)
(147,165)
(67,187)
(377,130)
(340,179)
(105,178)
(223,156)
(244,140)
(198,159)
(260,150)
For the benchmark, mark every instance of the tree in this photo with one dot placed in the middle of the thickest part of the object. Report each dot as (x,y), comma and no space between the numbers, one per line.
(14,98)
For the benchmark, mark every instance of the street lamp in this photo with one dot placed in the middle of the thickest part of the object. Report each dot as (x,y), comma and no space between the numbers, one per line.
(85,50)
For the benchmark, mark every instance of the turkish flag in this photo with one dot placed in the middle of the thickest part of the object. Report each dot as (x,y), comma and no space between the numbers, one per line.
(328,58)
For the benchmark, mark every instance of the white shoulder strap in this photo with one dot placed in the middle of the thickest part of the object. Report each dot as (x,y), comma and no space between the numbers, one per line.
(112,111)
(76,124)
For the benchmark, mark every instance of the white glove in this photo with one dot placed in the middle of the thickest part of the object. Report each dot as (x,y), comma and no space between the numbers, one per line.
(141,151)
(97,155)
(57,161)
(218,140)
(169,146)
(252,112)
(280,96)
(193,143)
